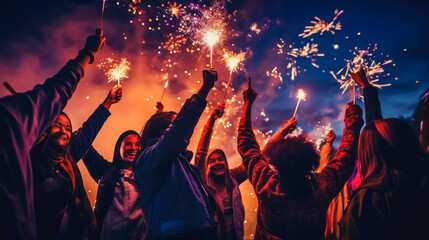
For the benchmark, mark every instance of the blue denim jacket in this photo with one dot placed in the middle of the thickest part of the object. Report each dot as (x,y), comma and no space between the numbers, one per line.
(176,201)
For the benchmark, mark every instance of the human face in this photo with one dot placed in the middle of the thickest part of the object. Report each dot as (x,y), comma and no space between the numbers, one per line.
(130,147)
(216,164)
(61,126)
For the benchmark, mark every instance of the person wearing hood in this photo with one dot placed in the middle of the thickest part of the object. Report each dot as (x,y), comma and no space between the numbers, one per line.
(119,208)
(23,118)
(62,207)
(177,204)
(222,182)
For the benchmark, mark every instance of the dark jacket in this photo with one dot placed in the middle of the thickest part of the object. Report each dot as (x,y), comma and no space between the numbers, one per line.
(235,177)
(281,215)
(54,194)
(130,222)
(23,118)
(176,201)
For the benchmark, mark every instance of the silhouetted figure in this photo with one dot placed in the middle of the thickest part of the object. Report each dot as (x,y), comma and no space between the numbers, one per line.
(177,204)
(291,204)
(23,118)
(222,182)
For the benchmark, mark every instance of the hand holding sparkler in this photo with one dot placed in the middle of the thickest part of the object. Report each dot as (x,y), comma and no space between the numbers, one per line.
(360,78)
(218,111)
(114,96)
(159,107)
(288,126)
(93,44)
(209,79)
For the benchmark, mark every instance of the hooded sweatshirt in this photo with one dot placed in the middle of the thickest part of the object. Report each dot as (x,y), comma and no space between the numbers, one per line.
(119,208)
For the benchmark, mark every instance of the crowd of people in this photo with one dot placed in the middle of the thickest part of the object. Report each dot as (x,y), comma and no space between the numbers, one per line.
(374,186)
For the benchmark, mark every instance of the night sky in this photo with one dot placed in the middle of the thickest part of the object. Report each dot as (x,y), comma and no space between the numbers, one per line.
(38,37)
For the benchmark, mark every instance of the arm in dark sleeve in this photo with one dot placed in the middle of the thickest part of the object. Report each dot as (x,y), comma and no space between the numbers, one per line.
(372,104)
(239,173)
(339,169)
(95,163)
(84,137)
(175,139)
(32,112)
(258,169)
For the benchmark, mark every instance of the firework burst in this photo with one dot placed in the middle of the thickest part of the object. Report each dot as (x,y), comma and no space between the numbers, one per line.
(322,26)
(115,70)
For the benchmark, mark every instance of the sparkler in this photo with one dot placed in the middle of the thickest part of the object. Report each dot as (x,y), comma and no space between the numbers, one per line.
(115,70)
(301,95)
(102,14)
(322,26)
(362,59)
(163,91)
(211,37)
(232,61)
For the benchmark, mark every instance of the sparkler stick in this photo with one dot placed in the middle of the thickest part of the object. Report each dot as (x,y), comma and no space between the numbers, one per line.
(102,14)
(211,38)
(10,88)
(163,91)
(301,95)
(227,86)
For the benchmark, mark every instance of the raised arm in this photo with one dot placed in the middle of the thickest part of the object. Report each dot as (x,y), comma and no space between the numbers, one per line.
(288,127)
(95,163)
(326,151)
(370,94)
(206,136)
(176,138)
(84,137)
(253,159)
(339,169)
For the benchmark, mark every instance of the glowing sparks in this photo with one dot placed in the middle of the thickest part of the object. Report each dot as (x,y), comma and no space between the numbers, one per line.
(233,61)
(254,28)
(175,10)
(115,70)
(322,26)
(301,96)
(362,60)
(307,51)
(275,74)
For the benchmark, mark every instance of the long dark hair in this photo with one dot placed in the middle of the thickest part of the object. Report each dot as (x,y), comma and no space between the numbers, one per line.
(108,181)
(386,148)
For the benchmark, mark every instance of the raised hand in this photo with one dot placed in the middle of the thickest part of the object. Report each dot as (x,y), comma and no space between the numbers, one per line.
(330,136)
(249,94)
(289,126)
(360,78)
(209,77)
(218,111)
(114,96)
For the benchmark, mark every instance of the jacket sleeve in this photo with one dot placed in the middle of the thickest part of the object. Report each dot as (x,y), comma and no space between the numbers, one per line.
(372,104)
(239,173)
(84,137)
(95,163)
(32,112)
(258,170)
(339,169)
(175,139)
(203,148)
(362,215)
